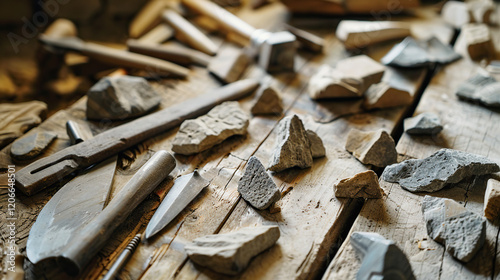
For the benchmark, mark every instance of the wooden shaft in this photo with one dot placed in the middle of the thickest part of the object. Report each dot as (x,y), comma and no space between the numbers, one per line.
(176,54)
(226,19)
(188,33)
(94,235)
(48,170)
(133,60)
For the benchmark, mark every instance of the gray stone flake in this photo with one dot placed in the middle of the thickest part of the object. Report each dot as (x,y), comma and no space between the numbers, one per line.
(426,123)
(230,253)
(293,147)
(364,184)
(317,147)
(482,89)
(257,187)
(32,145)
(121,97)
(462,232)
(372,147)
(201,134)
(383,95)
(268,102)
(431,174)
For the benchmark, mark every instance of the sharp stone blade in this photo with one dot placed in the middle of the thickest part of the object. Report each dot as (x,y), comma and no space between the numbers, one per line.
(184,190)
(71,208)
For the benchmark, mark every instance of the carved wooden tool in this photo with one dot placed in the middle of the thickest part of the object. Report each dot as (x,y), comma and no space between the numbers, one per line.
(123,258)
(48,170)
(189,34)
(176,54)
(92,237)
(276,50)
(116,57)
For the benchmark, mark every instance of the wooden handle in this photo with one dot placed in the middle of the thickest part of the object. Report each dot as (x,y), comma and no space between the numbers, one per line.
(133,60)
(176,54)
(226,19)
(92,237)
(188,33)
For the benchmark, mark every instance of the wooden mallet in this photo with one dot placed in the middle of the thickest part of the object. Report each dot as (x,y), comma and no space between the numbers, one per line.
(276,50)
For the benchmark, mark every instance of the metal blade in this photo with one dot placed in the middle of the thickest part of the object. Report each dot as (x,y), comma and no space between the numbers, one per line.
(184,190)
(71,208)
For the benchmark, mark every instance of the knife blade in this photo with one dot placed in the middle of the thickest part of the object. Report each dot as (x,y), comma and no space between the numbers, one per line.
(184,190)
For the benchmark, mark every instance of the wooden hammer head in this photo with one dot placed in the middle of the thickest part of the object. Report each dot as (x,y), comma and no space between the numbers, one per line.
(277,51)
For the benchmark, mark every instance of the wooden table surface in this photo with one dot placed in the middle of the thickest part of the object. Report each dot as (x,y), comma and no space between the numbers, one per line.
(314,224)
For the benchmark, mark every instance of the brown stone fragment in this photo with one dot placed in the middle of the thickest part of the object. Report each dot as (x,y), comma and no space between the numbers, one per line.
(362,67)
(372,147)
(267,102)
(383,95)
(364,184)
(328,82)
(360,34)
(478,41)
(32,145)
(15,119)
(492,200)
(317,147)
(229,64)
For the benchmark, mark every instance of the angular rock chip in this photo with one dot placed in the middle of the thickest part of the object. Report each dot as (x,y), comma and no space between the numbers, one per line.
(230,253)
(488,95)
(372,147)
(462,232)
(267,102)
(456,13)
(492,200)
(360,34)
(426,123)
(31,146)
(18,118)
(381,258)
(468,89)
(331,83)
(364,184)
(383,95)
(121,97)
(229,64)
(361,67)
(317,147)
(257,187)
(411,53)
(431,174)
(201,134)
(478,41)
(293,147)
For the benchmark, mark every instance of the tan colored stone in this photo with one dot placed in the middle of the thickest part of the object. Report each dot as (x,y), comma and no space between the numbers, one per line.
(492,199)
(364,184)
(15,119)
(360,34)
(331,83)
(362,67)
(229,64)
(267,102)
(383,95)
(317,147)
(478,41)
(372,147)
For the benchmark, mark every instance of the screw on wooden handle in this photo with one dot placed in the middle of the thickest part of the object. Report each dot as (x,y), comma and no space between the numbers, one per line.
(123,258)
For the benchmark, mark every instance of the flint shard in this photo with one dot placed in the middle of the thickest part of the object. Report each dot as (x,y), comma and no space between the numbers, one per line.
(424,124)
(462,232)
(293,147)
(468,90)
(488,95)
(364,184)
(373,147)
(431,174)
(383,95)
(362,67)
(230,253)
(121,97)
(331,83)
(257,187)
(18,118)
(492,200)
(267,102)
(439,52)
(380,257)
(228,65)
(360,34)
(201,134)
(478,41)
(317,147)
(32,145)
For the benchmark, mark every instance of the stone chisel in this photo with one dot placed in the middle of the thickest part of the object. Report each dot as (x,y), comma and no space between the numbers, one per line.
(73,206)
(89,239)
(120,58)
(48,170)
(276,50)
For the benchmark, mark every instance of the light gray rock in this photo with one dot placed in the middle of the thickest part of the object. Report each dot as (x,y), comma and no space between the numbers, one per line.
(121,97)
(267,102)
(230,253)
(431,174)
(482,89)
(361,67)
(383,95)
(425,123)
(328,82)
(257,187)
(372,147)
(462,232)
(293,147)
(492,199)
(317,147)
(364,184)
(381,258)
(32,145)
(488,95)
(201,134)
